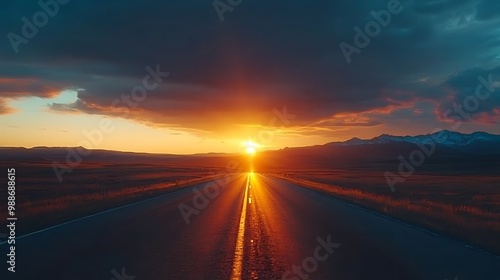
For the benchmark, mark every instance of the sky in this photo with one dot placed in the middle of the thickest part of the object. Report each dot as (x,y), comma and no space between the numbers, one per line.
(193,76)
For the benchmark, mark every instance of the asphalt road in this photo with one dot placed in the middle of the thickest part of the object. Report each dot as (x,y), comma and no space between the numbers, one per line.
(253,227)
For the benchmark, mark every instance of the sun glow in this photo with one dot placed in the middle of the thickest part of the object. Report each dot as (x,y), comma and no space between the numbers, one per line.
(251,150)
(250,147)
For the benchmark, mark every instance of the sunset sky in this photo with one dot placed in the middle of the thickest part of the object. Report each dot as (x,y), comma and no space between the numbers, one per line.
(230,81)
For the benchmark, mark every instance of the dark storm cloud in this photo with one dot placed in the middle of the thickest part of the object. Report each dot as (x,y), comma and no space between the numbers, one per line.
(488,9)
(473,96)
(265,55)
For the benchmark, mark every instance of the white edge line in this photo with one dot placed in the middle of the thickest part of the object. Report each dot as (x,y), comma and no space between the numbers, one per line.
(381,215)
(104,212)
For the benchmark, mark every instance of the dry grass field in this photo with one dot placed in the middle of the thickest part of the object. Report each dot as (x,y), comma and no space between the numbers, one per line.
(42,201)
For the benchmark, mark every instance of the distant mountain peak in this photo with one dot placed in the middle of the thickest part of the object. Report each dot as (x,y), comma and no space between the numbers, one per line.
(443,137)
(354,140)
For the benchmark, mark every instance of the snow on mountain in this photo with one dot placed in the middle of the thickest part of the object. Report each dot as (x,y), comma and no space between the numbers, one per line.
(444,137)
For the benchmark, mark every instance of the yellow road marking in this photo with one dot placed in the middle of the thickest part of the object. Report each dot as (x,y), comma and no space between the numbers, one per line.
(240,241)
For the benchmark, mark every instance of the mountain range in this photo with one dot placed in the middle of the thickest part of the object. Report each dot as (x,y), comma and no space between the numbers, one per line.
(444,137)
(456,150)
(452,151)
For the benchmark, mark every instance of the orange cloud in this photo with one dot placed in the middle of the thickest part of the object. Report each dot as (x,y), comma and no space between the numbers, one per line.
(24,87)
(4,109)
(14,88)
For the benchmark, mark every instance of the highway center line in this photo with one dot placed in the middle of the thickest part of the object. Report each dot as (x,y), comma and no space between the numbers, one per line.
(240,241)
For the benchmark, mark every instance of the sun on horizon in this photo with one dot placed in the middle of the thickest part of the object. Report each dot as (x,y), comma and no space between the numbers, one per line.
(250,147)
